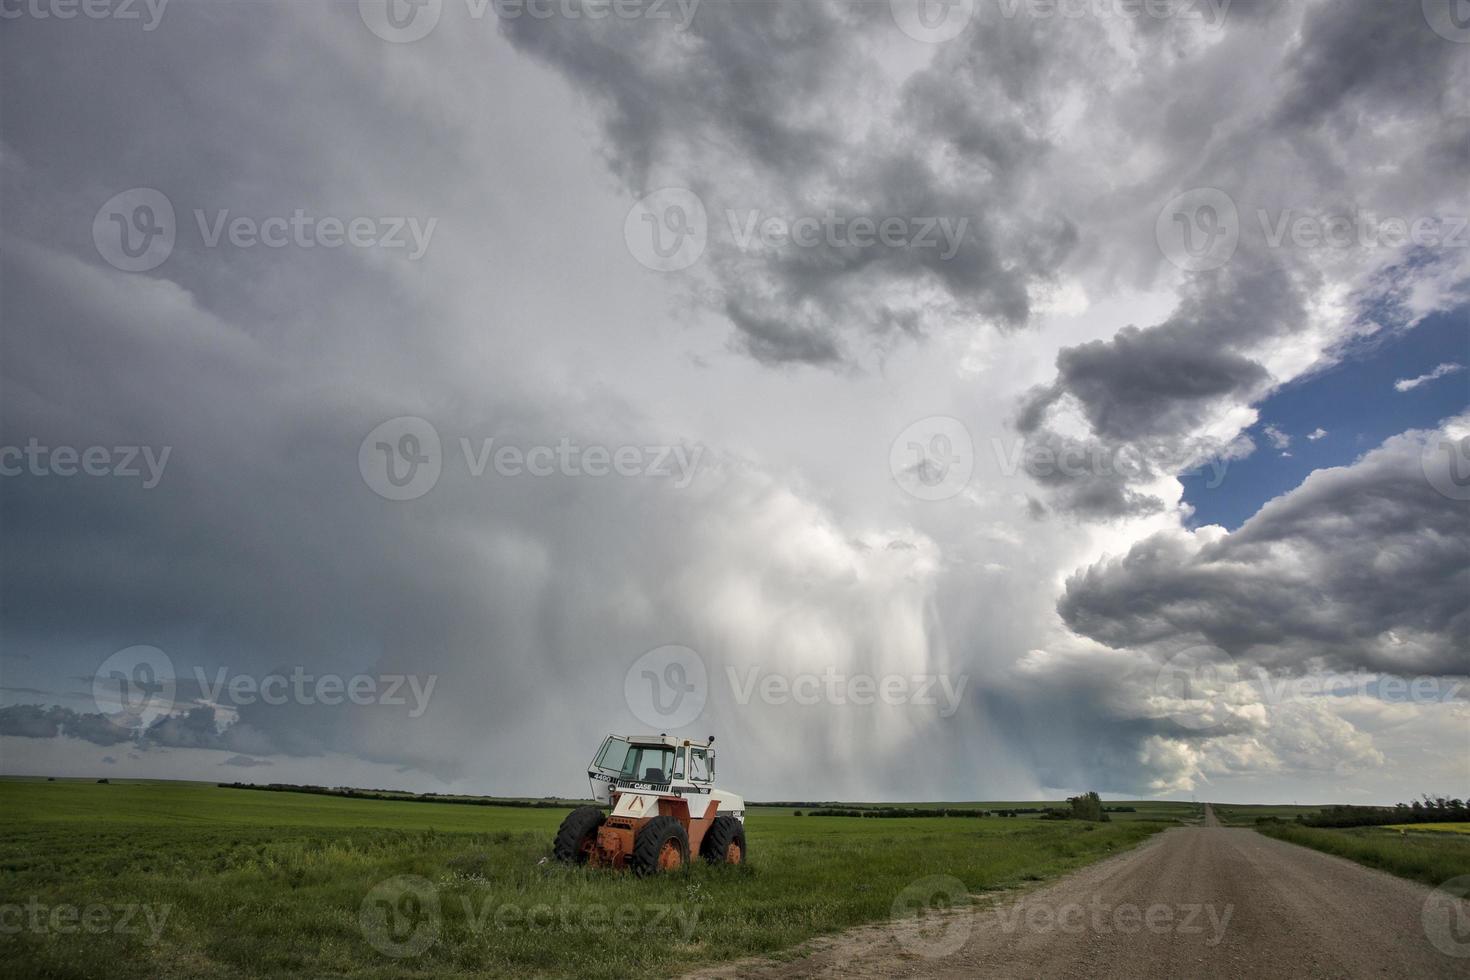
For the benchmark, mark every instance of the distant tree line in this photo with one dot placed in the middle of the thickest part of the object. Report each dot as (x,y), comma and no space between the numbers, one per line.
(1436,809)
(347,792)
(1085,807)
(815,805)
(897,811)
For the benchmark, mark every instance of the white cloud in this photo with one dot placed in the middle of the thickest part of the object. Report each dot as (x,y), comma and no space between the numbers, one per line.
(1279,439)
(1409,384)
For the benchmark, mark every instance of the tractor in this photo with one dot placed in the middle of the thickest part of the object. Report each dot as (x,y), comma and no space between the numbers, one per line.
(664,808)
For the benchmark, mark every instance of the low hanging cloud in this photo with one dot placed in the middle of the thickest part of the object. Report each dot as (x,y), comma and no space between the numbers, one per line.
(1291,631)
(1157,388)
(196,727)
(1363,567)
(1165,380)
(54,721)
(797,109)
(1102,717)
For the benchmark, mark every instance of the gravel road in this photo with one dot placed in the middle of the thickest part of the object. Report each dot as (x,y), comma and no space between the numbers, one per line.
(1199,902)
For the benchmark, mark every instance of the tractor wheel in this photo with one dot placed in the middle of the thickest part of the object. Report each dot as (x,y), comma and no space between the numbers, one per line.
(662,845)
(578,835)
(724,842)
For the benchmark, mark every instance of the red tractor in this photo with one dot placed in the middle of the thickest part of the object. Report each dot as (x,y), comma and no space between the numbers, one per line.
(664,808)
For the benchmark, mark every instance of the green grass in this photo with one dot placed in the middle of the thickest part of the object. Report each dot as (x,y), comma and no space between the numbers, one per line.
(204,804)
(272,884)
(1432,858)
(1437,828)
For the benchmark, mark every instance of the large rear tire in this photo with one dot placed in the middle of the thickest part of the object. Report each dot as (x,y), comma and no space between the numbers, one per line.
(662,845)
(578,835)
(724,842)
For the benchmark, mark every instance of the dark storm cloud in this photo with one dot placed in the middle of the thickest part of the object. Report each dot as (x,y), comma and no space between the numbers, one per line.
(790,102)
(30,721)
(1364,567)
(92,727)
(254,732)
(1353,72)
(1145,392)
(1103,484)
(1149,383)
(1371,55)
(262,548)
(192,728)
(38,721)
(238,556)
(739,71)
(772,337)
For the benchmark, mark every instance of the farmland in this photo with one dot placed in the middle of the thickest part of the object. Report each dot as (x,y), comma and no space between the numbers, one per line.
(1433,828)
(1147,810)
(1246,815)
(1415,851)
(236,882)
(1429,852)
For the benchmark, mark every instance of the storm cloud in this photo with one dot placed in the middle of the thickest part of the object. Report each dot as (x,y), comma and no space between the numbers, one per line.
(1364,567)
(793,373)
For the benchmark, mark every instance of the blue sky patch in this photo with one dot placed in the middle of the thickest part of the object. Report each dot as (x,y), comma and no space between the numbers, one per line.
(1354,405)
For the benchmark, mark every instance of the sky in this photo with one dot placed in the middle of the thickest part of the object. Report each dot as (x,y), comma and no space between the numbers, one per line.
(1410,380)
(982,400)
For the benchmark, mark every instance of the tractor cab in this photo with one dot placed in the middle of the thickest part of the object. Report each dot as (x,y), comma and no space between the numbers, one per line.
(651,763)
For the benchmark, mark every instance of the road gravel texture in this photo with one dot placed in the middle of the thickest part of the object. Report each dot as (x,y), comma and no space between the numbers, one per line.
(1197,902)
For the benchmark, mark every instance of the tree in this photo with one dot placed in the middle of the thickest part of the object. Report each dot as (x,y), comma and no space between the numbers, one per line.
(1088,806)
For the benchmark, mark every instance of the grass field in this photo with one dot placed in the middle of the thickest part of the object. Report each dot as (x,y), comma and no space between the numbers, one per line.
(1436,828)
(1419,854)
(154,879)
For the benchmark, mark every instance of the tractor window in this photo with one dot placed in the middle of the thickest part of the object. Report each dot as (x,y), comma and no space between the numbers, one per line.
(679,764)
(649,763)
(613,756)
(698,766)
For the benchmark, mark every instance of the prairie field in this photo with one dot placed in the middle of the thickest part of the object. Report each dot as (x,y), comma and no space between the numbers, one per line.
(1434,828)
(161,879)
(1417,851)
